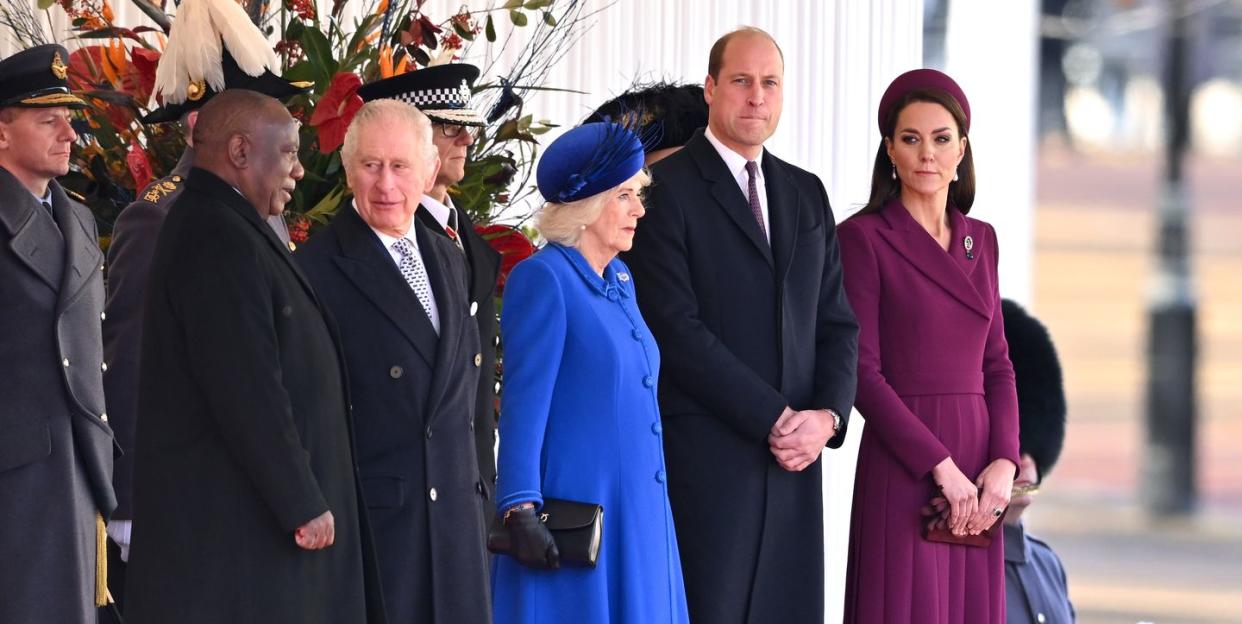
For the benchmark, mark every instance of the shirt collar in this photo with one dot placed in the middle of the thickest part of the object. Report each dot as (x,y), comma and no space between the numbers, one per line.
(438,210)
(735,162)
(387,240)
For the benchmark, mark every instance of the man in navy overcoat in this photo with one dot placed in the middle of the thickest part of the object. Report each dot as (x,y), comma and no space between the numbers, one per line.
(412,351)
(739,278)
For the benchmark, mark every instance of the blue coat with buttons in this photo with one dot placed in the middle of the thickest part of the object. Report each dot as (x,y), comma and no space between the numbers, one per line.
(580,421)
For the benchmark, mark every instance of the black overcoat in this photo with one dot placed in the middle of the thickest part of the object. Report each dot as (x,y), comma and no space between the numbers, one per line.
(243,434)
(414,403)
(56,447)
(129,263)
(483,264)
(745,328)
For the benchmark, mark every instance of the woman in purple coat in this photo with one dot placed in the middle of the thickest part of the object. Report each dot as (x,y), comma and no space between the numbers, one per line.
(935,384)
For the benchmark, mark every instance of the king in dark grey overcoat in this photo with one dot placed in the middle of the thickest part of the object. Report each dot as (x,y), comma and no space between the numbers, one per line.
(414,397)
(55,444)
(244,432)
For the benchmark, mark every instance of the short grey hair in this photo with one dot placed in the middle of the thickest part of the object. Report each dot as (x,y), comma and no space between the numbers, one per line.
(391,111)
(563,223)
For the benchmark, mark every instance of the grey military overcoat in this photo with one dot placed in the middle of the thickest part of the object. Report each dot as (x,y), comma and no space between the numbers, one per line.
(56,448)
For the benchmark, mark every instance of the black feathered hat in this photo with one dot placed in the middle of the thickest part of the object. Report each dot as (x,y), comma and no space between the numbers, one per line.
(667,112)
(214,46)
(1041,394)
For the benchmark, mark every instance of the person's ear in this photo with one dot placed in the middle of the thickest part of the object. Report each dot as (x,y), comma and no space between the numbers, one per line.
(433,173)
(239,151)
(709,89)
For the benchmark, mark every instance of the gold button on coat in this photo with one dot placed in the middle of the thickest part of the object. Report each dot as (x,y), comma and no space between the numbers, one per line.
(478,359)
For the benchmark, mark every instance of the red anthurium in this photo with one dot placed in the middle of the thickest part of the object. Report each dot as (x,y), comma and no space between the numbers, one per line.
(335,110)
(513,246)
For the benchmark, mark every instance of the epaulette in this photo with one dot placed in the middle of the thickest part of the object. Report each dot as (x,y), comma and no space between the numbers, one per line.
(76,196)
(157,190)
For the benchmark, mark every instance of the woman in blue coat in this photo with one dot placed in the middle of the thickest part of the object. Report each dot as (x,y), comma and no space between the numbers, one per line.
(579,418)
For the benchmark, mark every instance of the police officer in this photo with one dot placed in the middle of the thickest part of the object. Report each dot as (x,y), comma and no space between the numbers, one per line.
(55,443)
(183,92)
(1036,590)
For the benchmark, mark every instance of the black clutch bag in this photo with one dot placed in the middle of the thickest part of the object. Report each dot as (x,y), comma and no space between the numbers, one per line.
(577,528)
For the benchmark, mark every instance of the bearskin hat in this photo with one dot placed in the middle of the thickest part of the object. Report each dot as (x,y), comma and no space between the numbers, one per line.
(1041,393)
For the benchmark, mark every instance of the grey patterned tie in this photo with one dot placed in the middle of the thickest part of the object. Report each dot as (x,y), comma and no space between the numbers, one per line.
(755,207)
(415,274)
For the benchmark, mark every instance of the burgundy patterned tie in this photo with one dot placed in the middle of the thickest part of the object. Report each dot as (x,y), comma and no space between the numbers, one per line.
(755,208)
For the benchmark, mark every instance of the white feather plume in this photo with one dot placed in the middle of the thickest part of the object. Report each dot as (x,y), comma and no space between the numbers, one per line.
(201,30)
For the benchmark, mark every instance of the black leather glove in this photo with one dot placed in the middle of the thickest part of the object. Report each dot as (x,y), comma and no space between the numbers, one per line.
(532,541)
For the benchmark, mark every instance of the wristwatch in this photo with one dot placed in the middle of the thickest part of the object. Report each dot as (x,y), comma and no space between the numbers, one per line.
(836,423)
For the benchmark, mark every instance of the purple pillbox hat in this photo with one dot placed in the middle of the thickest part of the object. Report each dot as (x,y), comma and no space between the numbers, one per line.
(922,79)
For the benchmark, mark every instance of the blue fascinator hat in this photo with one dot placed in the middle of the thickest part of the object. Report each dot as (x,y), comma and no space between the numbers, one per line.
(588,160)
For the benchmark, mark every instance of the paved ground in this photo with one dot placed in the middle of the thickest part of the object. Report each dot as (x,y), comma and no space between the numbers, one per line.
(1094,233)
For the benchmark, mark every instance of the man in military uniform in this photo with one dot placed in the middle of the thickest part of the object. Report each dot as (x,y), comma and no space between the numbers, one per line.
(138,226)
(55,443)
(1035,585)
(442,93)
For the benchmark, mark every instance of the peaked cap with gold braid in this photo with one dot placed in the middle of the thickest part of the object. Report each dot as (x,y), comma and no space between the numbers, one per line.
(37,78)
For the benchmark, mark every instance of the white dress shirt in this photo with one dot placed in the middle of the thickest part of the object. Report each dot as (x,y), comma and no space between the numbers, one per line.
(388,241)
(441,212)
(736,164)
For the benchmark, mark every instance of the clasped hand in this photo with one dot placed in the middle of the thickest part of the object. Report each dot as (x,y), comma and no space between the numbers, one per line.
(798,437)
(318,533)
(970,508)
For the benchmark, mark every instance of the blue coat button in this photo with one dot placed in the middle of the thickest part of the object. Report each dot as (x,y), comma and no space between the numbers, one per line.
(637,335)
(657,428)
(660,476)
(649,381)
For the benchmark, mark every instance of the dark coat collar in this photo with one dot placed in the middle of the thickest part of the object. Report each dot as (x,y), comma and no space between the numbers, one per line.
(724,189)
(483,260)
(37,237)
(203,181)
(951,270)
(370,267)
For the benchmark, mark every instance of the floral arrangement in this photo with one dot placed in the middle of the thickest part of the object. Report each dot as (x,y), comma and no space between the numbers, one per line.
(116,155)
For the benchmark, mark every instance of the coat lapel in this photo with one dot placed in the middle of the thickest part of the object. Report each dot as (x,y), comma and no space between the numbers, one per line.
(484,262)
(448,287)
(725,191)
(369,266)
(783,202)
(36,241)
(913,243)
(82,256)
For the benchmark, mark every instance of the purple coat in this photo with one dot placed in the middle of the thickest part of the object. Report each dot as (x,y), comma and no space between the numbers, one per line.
(934,381)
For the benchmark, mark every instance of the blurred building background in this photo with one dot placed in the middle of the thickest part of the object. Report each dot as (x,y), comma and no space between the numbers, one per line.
(1100,165)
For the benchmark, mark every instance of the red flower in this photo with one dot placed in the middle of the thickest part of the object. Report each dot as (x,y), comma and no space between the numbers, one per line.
(513,246)
(335,110)
(300,230)
(453,42)
(304,9)
(139,165)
